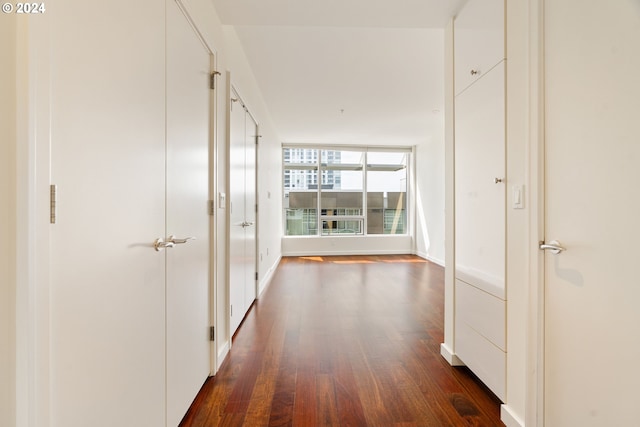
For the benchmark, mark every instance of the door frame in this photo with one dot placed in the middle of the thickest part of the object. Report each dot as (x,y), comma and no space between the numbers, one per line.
(33,169)
(213,185)
(536,152)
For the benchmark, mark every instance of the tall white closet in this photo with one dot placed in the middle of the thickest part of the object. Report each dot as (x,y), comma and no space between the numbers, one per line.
(480,180)
(243,137)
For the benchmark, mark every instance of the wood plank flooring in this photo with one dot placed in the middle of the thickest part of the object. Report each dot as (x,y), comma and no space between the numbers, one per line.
(345,341)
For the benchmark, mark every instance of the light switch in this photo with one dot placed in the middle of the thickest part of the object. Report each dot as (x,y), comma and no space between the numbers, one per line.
(222,200)
(518,196)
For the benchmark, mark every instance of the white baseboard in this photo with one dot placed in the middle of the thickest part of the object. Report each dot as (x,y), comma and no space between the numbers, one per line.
(436,261)
(421,254)
(449,356)
(428,257)
(509,418)
(267,277)
(222,353)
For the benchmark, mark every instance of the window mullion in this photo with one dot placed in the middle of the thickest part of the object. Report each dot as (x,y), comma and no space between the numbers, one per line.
(365,212)
(319,193)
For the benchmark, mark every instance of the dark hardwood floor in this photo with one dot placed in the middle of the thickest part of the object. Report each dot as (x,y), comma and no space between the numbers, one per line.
(345,341)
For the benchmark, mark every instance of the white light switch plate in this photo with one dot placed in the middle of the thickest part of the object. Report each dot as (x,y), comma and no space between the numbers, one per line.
(222,200)
(518,196)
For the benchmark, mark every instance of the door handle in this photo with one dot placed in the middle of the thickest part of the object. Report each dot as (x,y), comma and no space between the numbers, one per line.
(553,246)
(246,224)
(177,241)
(160,244)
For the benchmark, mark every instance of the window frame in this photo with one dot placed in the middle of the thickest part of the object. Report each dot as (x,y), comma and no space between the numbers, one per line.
(319,166)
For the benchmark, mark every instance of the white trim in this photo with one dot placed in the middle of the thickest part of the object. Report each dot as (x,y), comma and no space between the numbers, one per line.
(509,418)
(437,261)
(222,353)
(429,258)
(449,356)
(534,413)
(351,147)
(354,252)
(266,280)
(449,207)
(32,248)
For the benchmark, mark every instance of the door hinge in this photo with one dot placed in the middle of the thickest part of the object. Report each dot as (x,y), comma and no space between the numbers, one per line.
(211,207)
(256,208)
(212,81)
(212,333)
(256,275)
(53,192)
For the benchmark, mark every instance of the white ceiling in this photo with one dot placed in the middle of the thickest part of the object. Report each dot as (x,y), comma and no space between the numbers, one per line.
(346,71)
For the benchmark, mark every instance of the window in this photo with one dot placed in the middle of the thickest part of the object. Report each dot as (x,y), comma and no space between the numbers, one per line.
(332,191)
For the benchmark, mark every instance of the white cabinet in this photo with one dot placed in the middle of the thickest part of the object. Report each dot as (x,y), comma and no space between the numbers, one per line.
(480,192)
(478,41)
(479,185)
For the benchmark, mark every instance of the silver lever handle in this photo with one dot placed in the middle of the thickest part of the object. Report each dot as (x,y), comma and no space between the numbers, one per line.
(177,241)
(160,244)
(246,224)
(553,246)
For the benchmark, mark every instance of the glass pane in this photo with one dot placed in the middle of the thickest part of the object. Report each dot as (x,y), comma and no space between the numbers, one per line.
(300,191)
(301,222)
(342,170)
(334,202)
(344,228)
(386,193)
(299,156)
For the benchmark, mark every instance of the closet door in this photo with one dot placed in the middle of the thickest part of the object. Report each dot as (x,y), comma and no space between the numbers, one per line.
(479,41)
(107,283)
(243,214)
(187,217)
(480,186)
(237,223)
(250,209)
(480,307)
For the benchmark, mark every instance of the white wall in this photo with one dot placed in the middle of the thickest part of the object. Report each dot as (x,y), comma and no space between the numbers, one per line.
(269,158)
(430,192)
(7,219)
(347,245)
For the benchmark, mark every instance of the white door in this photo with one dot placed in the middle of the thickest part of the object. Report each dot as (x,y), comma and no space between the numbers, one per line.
(242,232)
(250,210)
(187,216)
(107,295)
(592,343)
(237,274)
(480,190)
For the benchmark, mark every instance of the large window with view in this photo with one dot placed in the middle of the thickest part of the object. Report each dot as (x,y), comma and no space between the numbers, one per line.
(330,191)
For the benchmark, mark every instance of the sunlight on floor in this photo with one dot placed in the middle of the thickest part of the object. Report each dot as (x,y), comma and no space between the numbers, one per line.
(313,258)
(354,262)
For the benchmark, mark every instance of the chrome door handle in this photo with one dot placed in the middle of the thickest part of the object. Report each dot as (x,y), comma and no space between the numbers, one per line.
(246,224)
(553,246)
(160,244)
(177,241)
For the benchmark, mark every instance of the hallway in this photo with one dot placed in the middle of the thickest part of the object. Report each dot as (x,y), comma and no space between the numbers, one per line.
(345,341)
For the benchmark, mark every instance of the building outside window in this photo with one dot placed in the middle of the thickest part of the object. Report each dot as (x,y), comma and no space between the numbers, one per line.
(332,191)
